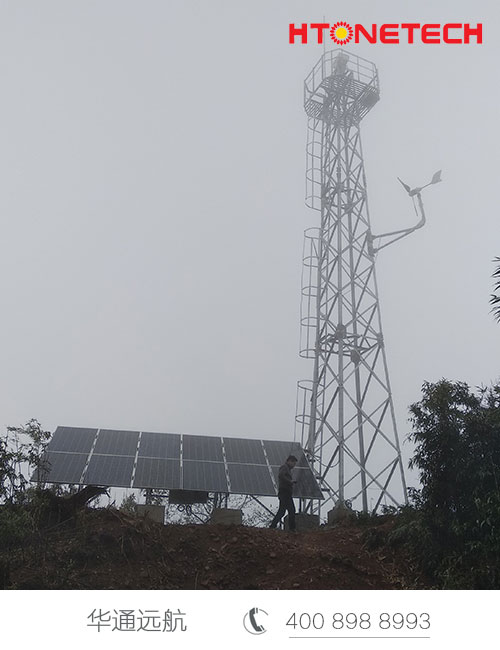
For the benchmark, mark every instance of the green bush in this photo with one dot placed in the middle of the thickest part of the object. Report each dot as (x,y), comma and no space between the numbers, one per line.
(16,525)
(453,528)
(22,453)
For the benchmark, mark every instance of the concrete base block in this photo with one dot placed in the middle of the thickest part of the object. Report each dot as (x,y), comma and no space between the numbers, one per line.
(155,513)
(226,516)
(304,522)
(339,512)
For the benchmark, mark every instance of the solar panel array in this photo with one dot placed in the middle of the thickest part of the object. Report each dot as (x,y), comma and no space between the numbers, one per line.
(141,459)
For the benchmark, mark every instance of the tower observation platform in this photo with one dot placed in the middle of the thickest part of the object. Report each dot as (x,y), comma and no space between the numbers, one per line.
(341,87)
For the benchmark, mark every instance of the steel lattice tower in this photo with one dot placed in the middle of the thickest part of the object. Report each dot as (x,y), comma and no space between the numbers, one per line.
(345,413)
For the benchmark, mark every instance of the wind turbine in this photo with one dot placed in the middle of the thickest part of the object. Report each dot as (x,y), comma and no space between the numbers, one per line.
(399,234)
(412,192)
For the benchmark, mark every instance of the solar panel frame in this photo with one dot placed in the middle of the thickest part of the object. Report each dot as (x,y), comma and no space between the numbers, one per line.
(120,458)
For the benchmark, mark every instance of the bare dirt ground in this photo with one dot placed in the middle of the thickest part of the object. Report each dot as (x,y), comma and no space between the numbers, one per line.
(107,549)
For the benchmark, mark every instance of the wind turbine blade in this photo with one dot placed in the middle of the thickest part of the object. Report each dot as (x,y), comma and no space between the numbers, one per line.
(407,187)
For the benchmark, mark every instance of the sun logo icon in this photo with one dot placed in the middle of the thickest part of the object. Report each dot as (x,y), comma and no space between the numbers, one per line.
(341,33)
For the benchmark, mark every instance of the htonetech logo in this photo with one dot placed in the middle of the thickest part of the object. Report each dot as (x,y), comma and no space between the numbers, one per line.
(389,33)
(341,33)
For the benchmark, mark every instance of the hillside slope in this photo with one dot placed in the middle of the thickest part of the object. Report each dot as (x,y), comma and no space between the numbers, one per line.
(107,549)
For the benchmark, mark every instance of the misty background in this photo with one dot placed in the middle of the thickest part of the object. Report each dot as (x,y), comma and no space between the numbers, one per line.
(152,209)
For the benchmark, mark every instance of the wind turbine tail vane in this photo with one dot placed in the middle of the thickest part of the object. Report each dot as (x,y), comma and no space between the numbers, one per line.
(436,178)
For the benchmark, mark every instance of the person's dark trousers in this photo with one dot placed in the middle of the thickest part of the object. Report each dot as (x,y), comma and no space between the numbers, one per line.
(286,504)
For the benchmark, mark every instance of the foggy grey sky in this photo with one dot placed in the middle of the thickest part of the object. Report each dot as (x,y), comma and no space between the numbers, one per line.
(152,209)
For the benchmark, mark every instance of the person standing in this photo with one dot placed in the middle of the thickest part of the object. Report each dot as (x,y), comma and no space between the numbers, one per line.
(285,494)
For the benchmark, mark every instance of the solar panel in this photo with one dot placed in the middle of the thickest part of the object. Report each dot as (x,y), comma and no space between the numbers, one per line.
(157,473)
(306,486)
(119,443)
(197,475)
(73,439)
(250,479)
(207,461)
(160,445)
(202,448)
(109,470)
(278,451)
(241,450)
(61,467)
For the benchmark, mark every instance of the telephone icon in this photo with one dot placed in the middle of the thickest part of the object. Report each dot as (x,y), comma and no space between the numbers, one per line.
(253,621)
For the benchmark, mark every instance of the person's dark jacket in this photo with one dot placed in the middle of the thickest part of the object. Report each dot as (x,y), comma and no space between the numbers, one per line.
(285,481)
